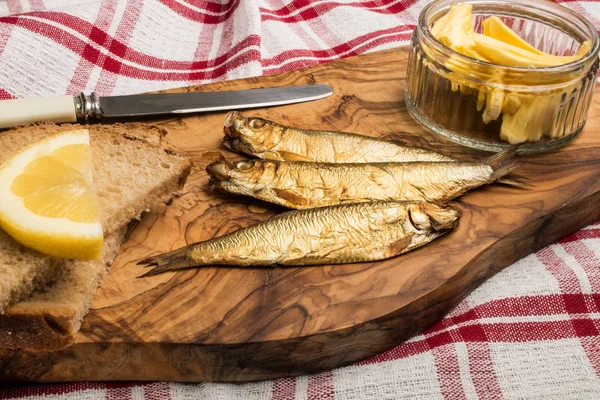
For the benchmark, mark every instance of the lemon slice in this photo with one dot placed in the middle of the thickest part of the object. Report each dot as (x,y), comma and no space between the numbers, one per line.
(47,197)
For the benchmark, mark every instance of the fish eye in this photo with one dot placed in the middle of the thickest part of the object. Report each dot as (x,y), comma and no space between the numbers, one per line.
(257,123)
(245,165)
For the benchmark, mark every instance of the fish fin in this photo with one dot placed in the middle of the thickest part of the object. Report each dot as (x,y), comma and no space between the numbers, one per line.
(289,156)
(502,163)
(173,260)
(400,246)
(291,197)
(515,180)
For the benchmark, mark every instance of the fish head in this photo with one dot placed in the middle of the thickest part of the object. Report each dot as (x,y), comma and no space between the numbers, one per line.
(429,217)
(251,135)
(219,170)
(257,173)
(251,174)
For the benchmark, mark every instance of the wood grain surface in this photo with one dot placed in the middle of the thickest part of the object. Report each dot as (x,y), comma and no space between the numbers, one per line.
(227,324)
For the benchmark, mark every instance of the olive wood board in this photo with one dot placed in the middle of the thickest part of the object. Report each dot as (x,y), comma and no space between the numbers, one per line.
(234,325)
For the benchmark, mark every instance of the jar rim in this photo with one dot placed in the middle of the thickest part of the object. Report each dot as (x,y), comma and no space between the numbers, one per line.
(424,30)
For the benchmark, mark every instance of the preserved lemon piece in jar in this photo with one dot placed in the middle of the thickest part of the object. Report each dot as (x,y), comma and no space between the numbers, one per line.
(525,118)
(455,30)
(495,28)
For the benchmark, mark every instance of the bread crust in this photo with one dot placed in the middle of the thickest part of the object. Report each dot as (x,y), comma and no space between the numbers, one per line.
(53,326)
(34,331)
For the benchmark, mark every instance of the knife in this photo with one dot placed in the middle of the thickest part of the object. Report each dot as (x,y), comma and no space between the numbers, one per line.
(94,108)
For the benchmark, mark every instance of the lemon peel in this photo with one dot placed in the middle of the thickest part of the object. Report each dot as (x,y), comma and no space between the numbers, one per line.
(48,202)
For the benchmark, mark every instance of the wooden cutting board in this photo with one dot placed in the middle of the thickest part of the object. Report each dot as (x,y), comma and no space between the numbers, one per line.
(224,324)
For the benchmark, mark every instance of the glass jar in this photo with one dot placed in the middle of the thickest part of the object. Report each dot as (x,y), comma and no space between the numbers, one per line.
(488,106)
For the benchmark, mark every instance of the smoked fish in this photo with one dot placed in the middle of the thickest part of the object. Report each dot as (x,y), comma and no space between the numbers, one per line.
(307,185)
(328,235)
(272,141)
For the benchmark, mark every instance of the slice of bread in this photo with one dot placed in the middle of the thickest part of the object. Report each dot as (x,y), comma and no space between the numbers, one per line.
(48,318)
(130,175)
(21,270)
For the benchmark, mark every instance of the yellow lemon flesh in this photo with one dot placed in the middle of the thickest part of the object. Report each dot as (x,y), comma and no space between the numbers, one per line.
(525,117)
(455,30)
(48,202)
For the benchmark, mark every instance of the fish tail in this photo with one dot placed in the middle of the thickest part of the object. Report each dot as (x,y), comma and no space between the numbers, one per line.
(503,162)
(173,260)
(503,165)
(515,180)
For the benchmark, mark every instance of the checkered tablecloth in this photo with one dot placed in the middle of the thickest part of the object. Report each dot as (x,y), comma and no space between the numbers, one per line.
(532,331)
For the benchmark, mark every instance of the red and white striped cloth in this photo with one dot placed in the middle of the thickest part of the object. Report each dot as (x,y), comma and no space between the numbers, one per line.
(530,332)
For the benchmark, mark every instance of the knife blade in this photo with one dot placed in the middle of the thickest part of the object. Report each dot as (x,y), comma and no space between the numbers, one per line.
(94,108)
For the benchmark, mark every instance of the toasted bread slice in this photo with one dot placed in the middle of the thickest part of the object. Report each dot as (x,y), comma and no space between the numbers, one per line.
(48,317)
(130,175)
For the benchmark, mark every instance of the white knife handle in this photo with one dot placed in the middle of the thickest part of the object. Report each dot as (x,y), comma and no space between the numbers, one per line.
(26,111)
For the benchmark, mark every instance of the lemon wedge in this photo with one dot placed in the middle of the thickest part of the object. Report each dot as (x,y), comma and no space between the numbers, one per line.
(47,197)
